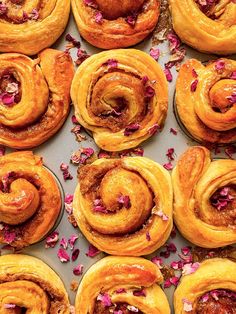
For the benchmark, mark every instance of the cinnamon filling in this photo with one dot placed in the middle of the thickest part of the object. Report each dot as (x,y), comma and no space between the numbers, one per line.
(10,87)
(217,302)
(222,208)
(123,307)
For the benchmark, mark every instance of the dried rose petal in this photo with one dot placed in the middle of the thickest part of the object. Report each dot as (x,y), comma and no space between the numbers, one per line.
(52,240)
(74,120)
(167,283)
(63,256)
(162,215)
(221,198)
(233,75)
(174,41)
(145,79)
(155,53)
(158,261)
(69,203)
(173,131)
(72,241)
(9,236)
(98,17)
(12,88)
(187,305)
(171,247)
(220,65)
(170,154)
(168,74)
(148,237)
(7,99)
(10,306)
(124,200)
(120,290)
(232,98)
(153,129)
(139,293)
(105,299)
(130,129)
(118,312)
(186,250)
(131,19)
(3,8)
(64,243)
(168,166)
(92,251)
(149,92)
(174,281)
(34,15)
(111,63)
(91,3)
(194,73)
(190,268)
(176,265)
(75,254)
(132,308)
(72,40)
(193,86)
(65,171)
(78,270)
(82,55)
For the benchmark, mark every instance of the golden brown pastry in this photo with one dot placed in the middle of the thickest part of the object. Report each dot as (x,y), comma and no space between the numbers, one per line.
(209,290)
(206,25)
(34,97)
(30,200)
(112,24)
(27,285)
(205,198)
(28,26)
(122,285)
(206,100)
(121,96)
(124,206)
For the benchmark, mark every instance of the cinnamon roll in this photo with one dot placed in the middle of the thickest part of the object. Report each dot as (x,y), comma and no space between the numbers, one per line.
(30,200)
(34,97)
(28,285)
(124,206)
(205,198)
(122,285)
(121,97)
(209,290)
(206,100)
(208,26)
(113,23)
(28,26)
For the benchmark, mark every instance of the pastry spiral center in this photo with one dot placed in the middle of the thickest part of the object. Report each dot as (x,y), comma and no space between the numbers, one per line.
(217,302)
(223,95)
(10,88)
(118,98)
(23,296)
(113,9)
(20,202)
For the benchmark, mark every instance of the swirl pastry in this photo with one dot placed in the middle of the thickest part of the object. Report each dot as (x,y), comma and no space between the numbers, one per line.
(122,285)
(27,285)
(34,97)
(211,289)
(28,26)
(124,206)
(208,26)
(206,100)
(121,96)
(114,23)
(30,199)
(204,198)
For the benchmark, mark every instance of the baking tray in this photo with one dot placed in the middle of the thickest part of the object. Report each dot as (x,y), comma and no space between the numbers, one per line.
(59,149)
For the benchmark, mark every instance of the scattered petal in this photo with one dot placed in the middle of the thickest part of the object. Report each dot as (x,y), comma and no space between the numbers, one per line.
(78,270)
(75,254)
(52,240)
(92,251)
(63,256)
